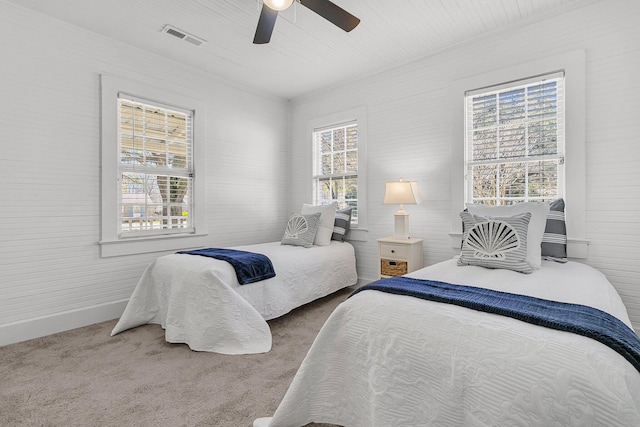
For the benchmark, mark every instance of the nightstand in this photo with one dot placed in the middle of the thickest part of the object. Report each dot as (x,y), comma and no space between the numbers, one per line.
(399,256)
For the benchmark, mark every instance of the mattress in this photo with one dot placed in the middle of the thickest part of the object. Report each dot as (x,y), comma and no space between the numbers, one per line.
(198,300)
(393,360)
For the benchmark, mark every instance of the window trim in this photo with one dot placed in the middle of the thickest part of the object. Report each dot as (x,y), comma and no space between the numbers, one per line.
(573,64)
(111,244)
(359,116)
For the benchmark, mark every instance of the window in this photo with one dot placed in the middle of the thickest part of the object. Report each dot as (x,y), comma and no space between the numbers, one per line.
(337,166)
(155,169)
(514,139)
(571,172)
(335,172)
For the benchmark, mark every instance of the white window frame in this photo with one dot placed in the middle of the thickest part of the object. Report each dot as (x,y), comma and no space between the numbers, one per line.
(525,122)
(573,65)
(112,243)
(359,116)
(337,175)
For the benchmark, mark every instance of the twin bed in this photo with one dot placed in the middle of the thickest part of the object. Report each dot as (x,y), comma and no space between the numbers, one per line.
(199,301)
(387,358)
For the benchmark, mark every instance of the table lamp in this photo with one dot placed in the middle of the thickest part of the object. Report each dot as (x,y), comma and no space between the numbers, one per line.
(402,193)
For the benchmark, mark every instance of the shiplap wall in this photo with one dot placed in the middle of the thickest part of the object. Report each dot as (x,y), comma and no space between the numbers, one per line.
(409,133)
(51,275)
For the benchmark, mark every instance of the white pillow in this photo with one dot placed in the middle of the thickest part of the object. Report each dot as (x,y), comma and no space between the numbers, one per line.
(537,224)
(327,217)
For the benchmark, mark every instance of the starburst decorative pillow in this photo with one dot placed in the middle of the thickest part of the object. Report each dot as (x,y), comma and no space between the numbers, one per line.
(495,242)
(537,223)
(301,230)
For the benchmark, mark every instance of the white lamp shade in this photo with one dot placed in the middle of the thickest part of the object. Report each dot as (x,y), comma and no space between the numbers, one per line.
(402,193)
(278,4)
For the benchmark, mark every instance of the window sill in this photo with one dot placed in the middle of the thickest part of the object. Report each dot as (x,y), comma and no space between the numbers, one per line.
(576,247)
(111,248)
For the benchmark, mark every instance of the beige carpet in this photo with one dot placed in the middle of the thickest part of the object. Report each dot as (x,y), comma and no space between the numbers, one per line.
(85,377)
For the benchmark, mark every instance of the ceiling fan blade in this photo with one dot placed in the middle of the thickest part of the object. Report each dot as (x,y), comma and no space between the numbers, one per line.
(332,13)
(265,25)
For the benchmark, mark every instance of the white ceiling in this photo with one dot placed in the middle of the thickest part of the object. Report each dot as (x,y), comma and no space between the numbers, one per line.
(306,52)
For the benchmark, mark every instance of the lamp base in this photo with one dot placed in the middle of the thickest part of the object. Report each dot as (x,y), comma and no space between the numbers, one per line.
(402,225)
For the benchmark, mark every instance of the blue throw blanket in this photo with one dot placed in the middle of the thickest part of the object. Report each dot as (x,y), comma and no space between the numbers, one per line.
(579,319)
(250,267)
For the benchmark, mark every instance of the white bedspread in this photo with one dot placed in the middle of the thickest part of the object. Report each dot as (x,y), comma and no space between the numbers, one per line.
(391,360)
(198,300)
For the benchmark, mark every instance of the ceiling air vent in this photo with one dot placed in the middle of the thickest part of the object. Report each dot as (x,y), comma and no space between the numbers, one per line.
(182,35)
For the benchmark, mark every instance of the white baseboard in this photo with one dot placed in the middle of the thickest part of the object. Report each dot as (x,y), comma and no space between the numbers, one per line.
(24,330)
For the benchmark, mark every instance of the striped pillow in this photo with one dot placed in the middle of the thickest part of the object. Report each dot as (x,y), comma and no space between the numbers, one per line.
(342,224)
(554,241)
(495,242)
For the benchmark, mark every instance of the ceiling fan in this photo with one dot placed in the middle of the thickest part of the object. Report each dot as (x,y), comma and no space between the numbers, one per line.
(329,11)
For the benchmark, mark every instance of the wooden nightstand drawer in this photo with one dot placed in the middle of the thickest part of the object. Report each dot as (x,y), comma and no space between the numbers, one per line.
(390,267)
(394,251)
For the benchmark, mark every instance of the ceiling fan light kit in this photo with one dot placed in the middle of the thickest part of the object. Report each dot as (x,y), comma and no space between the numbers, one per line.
(278,4)
(328,10)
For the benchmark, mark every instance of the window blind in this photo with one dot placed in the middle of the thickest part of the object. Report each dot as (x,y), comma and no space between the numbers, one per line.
(514,139)
(155,144)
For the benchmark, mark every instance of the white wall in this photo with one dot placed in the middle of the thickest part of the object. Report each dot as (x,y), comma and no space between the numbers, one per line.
(410,122)
(51,275)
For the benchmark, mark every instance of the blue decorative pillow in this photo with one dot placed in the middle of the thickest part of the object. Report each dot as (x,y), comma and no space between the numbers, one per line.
(554,241)
(342,224)
(301,230)
(495,242)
